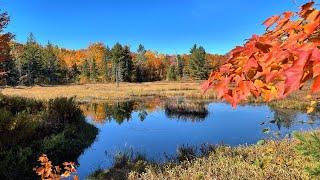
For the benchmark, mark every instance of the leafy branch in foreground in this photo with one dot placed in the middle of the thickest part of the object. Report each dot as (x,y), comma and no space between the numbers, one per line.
(275,64)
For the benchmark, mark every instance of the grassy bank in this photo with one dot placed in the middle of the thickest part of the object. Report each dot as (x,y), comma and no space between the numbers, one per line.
(106,92)
(272,160)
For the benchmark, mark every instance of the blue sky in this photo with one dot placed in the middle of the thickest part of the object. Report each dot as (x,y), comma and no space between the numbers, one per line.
(166,26)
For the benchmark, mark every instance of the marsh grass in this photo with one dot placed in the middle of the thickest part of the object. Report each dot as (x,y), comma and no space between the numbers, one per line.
(272,160)
(129,161)
(109,92)
(186,110)
(124,163)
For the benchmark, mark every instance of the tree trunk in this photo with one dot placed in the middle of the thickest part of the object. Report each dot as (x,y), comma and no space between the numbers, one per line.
(117,75)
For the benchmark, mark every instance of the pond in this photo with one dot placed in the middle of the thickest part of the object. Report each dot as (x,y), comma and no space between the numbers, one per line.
(158,127)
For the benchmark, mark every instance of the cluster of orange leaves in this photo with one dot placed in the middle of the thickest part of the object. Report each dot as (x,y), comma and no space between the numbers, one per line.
(274,64)
(49,172)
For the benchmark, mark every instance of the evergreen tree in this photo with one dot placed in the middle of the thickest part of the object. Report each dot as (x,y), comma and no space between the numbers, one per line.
(32,61)
(106,73)
(198,67)
(74,73)
(93,70)
(85,70)
(52,69)
(126,65)
(171,73)
(117,58)
(140,60)
(11,77)
(180,66)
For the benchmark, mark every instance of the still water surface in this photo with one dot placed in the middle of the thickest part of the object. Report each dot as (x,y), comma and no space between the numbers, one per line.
(151,128)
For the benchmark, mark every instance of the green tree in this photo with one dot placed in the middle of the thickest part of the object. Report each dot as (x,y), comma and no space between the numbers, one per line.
(180,66)
(198,66)
(85,70)
(121,63)
(32,61)
(140,60)
(93,70)
(52,68)
(126,65)
(117,58)
(11,78)
(16,53)
(105,72)
(171,73)
(74,72)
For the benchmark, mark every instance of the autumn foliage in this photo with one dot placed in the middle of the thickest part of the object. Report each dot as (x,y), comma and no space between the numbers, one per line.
(274,64)
(5,39)
(49,172)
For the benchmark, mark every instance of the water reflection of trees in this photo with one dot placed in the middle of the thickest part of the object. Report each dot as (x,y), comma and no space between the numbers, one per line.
(286,118)
(121,111)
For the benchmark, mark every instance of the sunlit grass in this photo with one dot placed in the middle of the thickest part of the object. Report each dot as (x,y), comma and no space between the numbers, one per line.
(108,91)
(269,160)
(272,160)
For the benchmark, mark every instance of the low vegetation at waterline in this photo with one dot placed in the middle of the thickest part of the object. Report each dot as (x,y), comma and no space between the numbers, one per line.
(29,128)
(285,159)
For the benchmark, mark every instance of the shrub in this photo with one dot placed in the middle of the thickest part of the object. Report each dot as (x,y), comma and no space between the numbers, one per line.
(62,111)
(310,146)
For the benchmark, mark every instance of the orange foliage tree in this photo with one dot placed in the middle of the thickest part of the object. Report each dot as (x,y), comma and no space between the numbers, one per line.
(274,64)
(5,39)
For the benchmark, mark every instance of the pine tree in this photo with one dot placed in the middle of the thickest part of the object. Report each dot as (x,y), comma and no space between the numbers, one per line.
(93,71)
(140,60)
(198,67)
(171,73)
(180,66)
(11,77)
(85,70)
(105,72)
(32,61)
(17,53)
(52,69)
(126,64)
(117,58)
(74,73)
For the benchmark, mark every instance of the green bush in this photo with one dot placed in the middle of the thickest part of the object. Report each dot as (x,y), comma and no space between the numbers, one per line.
(310,146)
(29,128)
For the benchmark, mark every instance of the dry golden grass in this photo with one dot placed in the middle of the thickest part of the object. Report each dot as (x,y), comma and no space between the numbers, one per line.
(108,91)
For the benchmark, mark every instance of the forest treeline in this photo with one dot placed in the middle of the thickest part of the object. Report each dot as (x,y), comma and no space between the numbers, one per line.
(32,63)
